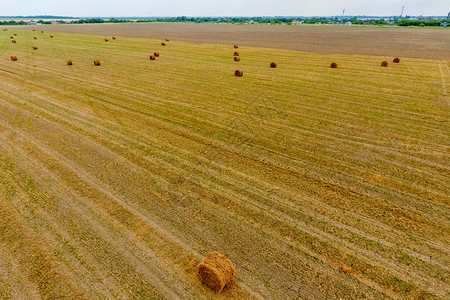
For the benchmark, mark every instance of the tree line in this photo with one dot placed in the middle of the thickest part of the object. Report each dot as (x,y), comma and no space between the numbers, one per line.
(241,20)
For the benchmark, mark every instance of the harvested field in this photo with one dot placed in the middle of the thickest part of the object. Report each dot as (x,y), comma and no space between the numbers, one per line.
(386,41)
(116,181)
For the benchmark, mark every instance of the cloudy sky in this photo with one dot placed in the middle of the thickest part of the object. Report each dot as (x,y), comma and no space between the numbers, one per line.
(139,8)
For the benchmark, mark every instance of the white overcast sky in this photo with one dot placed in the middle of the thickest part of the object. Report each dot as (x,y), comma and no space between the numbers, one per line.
(140,8)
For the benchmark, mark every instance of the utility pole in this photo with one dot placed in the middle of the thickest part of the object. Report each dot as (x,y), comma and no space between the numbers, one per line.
(401,14)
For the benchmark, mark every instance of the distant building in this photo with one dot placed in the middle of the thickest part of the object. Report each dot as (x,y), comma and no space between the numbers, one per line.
(297,22)
(348,23)
(32,22)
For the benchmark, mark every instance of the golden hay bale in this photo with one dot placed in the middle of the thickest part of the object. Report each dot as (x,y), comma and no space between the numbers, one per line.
(216,271)
(51,36)
(163,44)
(96,63)
(34,37)
(167,40)
(34,29)
(42,31)
(273,65)
(11,37)
(4,29)
(15,34)
(113,37)
(156,54)
(152,57)
(13,57)
(396,60)
(35,48)
(333,65)
(13,41)
(384,63)
(236,46)
(236,53)
(106,40)
(69,62)
(237,58)
(238,73)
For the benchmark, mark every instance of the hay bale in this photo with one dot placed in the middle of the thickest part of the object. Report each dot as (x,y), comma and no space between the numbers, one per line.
(13,41)
(96,63)
(13,57)
(113,37)
(42,31)
(35,48)
(156,54)
(106,40)
(11,37)
(152,57)
(333,65)
(51,36)
(238,73)
(216,271)
(34,29)
(167,40)
(34,37)
(273,65)
(396,60)
(236,46)
(4,29)
(384,63)
(236,53)
(237,58)
(15,34)
(69,62)
(163,44)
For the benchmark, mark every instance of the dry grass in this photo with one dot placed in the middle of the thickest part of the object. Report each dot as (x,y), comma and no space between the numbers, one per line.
(316,182)
(390,42)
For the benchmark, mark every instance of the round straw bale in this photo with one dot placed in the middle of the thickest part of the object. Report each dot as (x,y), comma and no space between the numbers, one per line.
(13,57)
(216,271)
(167,40)
(333,65)
(11,37)
(273,65)
(15,34)
(96,63)
(384,63)
(236,46)
(152,57)
(396,60)
(236,58)
(35,48)
(34,29)
(113,37)
(156,54)
(236,53)
(69,62)
(42,31)
(51,36)
(106,40)
(13,41)
(238,73)
(163,44)
(34,37)
(4,29)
